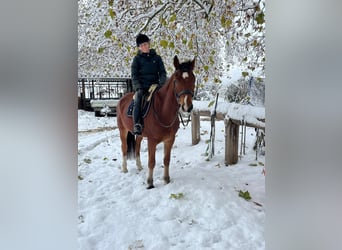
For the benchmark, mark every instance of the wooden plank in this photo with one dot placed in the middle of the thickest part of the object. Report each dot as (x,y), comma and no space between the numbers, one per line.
(221,116)
(248,124)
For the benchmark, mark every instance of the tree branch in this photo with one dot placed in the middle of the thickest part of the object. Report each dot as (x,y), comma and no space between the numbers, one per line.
(150,17)
(204,8)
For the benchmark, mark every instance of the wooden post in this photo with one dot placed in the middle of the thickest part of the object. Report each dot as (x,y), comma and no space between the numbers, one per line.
(231,141)
(195,127)
(244,137)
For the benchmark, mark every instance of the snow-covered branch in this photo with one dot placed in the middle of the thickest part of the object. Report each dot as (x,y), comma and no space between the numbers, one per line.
(188,28)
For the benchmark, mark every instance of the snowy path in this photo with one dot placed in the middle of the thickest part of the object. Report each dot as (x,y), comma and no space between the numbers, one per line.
(116,211)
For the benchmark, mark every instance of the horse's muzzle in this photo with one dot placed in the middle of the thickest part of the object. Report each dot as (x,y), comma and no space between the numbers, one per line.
(186,108)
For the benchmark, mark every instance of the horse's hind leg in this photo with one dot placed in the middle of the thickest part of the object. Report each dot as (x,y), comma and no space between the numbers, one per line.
(137,152)
(167,154)
(123,137)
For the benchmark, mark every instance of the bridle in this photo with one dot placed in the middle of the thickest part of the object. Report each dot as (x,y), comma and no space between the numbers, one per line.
(183,92)
(177,95)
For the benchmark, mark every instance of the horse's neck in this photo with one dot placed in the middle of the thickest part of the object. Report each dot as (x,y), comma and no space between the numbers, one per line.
(166,99)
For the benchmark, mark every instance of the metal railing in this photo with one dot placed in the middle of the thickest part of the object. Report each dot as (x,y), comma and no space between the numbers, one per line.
(103,88)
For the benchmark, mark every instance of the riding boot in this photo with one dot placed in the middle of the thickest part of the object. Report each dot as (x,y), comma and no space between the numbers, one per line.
(137,129)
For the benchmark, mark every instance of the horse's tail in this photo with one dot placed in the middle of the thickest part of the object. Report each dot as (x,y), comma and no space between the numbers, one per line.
(130,146)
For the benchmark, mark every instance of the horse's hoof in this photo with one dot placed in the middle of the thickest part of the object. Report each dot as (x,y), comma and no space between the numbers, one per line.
(167,179)
(150,187)
(140,168)
(124,170)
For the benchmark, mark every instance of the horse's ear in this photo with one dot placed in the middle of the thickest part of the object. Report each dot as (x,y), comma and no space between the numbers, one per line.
(176,62)
(193,64)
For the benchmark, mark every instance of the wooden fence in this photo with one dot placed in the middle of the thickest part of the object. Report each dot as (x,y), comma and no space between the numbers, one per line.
(232,126)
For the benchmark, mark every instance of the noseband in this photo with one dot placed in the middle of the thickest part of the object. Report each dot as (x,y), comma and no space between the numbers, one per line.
(183,92)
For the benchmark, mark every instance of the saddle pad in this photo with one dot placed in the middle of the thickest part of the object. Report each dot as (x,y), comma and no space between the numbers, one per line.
(145,106)
(146,101)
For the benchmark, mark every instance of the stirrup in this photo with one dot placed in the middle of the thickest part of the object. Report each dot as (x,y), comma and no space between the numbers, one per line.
(137,130)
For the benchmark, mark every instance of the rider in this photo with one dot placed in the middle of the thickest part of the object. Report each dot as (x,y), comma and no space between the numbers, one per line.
(147,69)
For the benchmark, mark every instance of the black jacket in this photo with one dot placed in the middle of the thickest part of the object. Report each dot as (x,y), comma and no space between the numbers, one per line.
(147,69)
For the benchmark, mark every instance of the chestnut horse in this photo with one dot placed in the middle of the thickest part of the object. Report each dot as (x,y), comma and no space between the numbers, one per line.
(161,123)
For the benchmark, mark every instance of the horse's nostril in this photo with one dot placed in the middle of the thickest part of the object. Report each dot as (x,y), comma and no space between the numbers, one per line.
(187,109)
(191,107)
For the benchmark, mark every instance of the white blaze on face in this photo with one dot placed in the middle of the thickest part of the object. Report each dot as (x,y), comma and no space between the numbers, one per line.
(185,75)
(186,102)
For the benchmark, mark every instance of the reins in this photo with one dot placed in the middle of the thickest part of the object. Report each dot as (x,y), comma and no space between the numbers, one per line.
(181,117)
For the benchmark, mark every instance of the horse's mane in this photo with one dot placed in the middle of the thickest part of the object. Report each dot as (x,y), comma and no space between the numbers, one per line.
(185,66)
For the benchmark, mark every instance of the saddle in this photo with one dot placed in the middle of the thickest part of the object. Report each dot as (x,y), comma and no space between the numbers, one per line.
(146,102)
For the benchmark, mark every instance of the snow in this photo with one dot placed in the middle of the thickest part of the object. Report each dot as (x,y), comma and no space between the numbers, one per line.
(199,209)
(234,111)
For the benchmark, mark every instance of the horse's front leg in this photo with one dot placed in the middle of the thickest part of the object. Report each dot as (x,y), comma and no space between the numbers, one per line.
(137,152)
(151,162)
(167,154)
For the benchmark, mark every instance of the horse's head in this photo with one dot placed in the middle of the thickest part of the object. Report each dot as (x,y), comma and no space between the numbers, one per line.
(184,81)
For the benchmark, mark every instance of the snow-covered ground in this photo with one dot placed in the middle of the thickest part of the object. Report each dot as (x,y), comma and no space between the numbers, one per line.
(199,209)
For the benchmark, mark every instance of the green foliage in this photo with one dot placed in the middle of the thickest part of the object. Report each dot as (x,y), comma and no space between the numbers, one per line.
(100,50)
(110,2)
(173,18)
(245,195)
(108,34)
(111,13)
(206,67)
(260,18)
(252,164)
(223,20)
(226,23)
(211,103)
(259,79)
(163,21)
(176,196)
(190,44)
(217,80)
(163,43)
(211,60)
(244,73)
